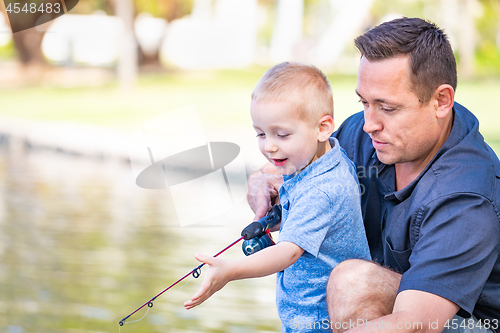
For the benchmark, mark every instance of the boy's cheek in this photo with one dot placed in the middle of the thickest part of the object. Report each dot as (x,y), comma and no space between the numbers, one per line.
(261,148)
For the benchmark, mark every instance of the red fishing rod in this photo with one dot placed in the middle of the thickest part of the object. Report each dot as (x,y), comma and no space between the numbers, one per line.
(195,272)
(256,236)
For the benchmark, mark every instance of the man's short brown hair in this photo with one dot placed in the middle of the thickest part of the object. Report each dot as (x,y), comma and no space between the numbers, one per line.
(432,62)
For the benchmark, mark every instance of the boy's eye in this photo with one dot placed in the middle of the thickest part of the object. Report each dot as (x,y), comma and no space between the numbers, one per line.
(260,135)
(283,135)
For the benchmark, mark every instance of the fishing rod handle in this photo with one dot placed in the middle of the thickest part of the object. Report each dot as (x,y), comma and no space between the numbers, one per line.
(258,228)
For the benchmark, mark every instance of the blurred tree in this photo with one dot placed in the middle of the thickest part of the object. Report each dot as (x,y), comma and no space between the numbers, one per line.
(166,9)
(267,13)
(127,67)
(287,30)
(28,47)
(28,42)
(488,51)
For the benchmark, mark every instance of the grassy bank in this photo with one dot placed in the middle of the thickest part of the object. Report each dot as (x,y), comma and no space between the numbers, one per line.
(221,97)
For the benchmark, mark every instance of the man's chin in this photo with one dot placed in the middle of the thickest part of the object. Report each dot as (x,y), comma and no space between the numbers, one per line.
(385,158)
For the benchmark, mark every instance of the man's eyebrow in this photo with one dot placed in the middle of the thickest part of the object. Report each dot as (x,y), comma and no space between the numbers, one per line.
(378,100)
(357,93)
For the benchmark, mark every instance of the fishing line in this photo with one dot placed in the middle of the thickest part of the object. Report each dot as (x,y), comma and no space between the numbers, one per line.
(175,292)
(149,308)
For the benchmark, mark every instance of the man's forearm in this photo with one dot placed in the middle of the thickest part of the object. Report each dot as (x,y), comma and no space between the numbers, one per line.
(396,322)
(414,312)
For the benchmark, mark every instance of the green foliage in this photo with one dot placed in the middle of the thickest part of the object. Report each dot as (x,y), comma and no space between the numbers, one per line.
(265,32)
(8,51)
(488,59)
(488,51)
(413,8)
(86,7)
(168,9)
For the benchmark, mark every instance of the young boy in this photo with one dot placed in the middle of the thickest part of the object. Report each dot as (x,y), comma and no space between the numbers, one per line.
(321,225)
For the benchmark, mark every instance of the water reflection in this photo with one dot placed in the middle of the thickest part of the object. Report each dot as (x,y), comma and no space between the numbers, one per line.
(81,247)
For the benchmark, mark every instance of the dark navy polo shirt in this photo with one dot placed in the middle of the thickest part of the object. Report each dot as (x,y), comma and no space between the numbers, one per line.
(442,231)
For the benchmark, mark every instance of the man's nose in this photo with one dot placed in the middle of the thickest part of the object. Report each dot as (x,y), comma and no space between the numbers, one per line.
(372,121)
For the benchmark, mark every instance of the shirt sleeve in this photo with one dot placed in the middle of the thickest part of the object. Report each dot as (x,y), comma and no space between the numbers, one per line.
(309,220)
(456,247)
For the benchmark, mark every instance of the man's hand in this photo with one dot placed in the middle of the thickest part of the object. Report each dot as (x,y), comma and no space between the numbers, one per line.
(217,277)
(263,187)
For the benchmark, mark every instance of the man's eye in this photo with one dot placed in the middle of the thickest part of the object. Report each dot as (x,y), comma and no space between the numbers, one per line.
(388,110)
(363,102)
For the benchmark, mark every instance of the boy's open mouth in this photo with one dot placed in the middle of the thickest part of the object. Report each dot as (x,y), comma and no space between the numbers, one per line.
(279,162)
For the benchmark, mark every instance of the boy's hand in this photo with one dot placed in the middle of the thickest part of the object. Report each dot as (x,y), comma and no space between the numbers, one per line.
(216,278)
(270,260)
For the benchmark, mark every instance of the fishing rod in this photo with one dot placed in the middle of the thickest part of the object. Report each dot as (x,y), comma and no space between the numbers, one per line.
(195,272)
(256,236)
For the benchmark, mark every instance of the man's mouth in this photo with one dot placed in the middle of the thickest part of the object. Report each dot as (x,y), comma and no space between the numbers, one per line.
(279,162)
(378,144)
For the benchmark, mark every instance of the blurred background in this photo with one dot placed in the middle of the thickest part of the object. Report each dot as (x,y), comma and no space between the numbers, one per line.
(81,245)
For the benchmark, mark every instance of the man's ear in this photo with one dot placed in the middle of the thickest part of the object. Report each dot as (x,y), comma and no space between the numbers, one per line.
(326,126)
(443,100)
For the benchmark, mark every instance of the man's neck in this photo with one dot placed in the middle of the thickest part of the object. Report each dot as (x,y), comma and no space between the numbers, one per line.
(409,171)
(405,174)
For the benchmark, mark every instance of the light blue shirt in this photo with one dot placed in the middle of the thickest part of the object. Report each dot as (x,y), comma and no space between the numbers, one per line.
(321,213)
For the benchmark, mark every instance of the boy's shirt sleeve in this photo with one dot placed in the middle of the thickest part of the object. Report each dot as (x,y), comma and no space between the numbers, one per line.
(309,222)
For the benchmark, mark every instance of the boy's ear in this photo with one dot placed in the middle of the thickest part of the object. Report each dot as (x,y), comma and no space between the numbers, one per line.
(326,126)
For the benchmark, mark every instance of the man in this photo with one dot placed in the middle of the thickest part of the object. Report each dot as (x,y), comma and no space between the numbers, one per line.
(430,194)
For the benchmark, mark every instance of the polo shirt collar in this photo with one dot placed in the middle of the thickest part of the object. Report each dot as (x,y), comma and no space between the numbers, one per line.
(323,164)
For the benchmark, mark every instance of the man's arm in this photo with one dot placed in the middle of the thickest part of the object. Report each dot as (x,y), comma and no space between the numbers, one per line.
(414,311)
(265,262)
(449,266)
(363,297)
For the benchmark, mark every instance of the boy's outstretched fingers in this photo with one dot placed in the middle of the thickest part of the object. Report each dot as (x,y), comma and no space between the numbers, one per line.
(213,281)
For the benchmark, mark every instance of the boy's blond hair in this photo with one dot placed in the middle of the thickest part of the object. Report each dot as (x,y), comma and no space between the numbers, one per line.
(301,85)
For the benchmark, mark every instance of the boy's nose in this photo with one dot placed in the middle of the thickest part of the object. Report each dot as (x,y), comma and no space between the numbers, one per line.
(270,147)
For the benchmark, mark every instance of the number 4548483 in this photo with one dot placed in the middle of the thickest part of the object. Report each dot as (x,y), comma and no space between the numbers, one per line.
(33,8)
(471,323)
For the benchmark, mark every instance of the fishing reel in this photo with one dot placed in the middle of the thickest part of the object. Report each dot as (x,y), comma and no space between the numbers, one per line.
(250,246)
(257,235)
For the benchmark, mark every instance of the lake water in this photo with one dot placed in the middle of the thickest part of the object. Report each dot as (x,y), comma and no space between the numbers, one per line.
(81,247)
